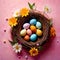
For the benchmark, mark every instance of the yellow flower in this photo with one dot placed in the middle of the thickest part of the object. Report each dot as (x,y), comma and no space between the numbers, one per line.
(33,51)
(24,12)
(52,32)
(12,21)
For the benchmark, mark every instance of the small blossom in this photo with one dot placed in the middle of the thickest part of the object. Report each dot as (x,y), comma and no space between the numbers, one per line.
(37,44)
(33,51)
(26,57)
(52,32)
(16,13)
(24,12)
(47,9)
(17,48)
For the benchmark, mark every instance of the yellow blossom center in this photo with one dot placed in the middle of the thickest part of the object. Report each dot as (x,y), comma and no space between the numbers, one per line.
(16,13)
(17,47)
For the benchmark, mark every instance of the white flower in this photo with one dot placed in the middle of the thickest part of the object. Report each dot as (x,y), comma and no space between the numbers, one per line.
(16,13)
(17,47)
(47,9)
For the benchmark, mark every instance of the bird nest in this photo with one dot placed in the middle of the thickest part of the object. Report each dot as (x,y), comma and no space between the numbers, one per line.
(45,28)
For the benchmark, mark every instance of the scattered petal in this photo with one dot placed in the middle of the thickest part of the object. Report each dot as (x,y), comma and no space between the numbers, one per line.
(37,44)
(57,41)
(4,30)
(4,41)
(19,57)
(6,19)
(26,57)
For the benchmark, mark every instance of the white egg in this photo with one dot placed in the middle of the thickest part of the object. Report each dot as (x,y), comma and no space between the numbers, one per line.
(38,25)
(23,32)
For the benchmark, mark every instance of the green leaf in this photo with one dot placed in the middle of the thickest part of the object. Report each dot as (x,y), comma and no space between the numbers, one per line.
(31,5)
(40,48)
(51,23)
(14,41)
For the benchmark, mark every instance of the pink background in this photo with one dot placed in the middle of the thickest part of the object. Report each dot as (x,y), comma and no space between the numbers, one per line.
(6,10)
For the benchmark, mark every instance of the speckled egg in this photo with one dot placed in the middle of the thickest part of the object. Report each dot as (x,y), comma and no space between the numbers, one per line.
(27,38)
(39,32)
(23,32)
(33,21)
(26,25)
(33,37)
(38,25)
(29,32)
(33,28)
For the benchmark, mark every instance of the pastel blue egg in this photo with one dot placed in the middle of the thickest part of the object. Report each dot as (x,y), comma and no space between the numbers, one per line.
(33,37)
(33,21)
(38,25)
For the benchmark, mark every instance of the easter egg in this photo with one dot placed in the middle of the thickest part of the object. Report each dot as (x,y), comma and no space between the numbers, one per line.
(23,32)
(29,32)
(38,25)
(39,32)
(33,21)
(33,28)
(27,38)
(26,25)
(33,37)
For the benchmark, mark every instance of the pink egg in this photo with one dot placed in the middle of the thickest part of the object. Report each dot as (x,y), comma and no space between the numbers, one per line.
(29,32)
(26,26)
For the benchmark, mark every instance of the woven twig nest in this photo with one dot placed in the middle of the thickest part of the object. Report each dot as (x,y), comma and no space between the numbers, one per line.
(45,28)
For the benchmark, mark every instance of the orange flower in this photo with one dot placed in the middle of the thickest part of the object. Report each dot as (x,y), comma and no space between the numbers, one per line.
(12,21)
(33,51)
(52,32)
(24,12)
